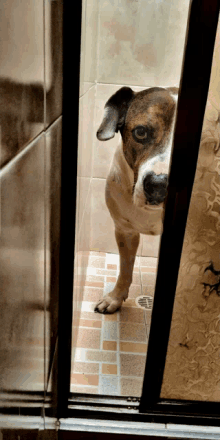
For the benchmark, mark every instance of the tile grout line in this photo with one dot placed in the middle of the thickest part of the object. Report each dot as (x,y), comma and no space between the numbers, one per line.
(118,341)
(145,314)
(100,391)
(118,354)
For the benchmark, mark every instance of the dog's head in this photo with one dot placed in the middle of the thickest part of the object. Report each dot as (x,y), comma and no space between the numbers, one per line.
(145,121)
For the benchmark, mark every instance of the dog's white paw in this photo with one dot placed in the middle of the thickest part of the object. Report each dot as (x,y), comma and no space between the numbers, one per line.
(108,304)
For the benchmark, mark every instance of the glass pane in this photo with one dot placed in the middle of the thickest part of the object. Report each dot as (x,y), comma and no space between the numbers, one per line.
(138,45)
(30,101)
(22,267)
(192,368)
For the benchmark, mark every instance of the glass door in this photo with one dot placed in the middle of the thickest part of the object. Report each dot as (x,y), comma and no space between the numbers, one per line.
(139,45)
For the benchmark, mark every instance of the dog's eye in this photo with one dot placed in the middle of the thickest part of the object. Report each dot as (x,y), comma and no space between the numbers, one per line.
(140,132)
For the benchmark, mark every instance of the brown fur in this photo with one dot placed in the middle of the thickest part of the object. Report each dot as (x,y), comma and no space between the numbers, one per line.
(154,109)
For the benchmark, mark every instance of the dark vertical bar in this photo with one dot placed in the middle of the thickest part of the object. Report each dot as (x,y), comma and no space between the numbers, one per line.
(71,62)
(200,39)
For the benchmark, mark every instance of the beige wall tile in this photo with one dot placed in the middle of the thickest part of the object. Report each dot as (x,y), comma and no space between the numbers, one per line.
(141,43)
(91,40)
(82,194)
(102,225)
(89,37)
(150,245)
(86,133)
(83,238)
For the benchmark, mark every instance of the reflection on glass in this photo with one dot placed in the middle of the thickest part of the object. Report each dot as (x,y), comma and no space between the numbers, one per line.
(30,70)
(192,368)
(22,272)
(21,75)
(109,351)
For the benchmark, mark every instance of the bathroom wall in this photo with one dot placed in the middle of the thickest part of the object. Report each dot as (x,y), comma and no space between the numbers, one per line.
(30,136)
(139,44)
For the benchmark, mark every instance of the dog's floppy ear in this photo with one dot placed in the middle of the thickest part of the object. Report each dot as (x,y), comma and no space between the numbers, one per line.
(115,111)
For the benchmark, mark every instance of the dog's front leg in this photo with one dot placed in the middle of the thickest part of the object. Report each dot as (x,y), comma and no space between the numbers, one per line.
(127,245)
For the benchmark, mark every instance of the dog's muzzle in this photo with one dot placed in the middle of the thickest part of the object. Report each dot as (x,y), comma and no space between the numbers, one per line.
(155,187)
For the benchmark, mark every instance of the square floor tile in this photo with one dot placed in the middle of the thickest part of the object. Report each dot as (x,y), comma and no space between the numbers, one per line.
(131,314)
(110,331)
(131,387)
(101,356)
(109,385)
(132,332)
(133,347)
(109,369)
(84,379)
(86,367)
(132,364)
(109,345)
(88,338)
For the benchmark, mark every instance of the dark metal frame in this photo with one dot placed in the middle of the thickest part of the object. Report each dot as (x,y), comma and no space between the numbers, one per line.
(71,75)
(200,39)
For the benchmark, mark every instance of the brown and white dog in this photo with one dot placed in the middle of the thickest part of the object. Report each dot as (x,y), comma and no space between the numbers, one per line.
(136,186)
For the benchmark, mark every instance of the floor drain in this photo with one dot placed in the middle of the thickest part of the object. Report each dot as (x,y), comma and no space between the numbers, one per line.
(145,302)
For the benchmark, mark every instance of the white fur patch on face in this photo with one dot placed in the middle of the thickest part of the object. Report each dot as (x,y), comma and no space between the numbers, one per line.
(159,164)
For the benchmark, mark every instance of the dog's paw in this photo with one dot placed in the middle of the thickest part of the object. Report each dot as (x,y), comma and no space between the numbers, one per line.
(108,305)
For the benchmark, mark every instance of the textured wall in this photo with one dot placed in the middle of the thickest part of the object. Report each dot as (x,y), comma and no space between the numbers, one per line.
(193,360)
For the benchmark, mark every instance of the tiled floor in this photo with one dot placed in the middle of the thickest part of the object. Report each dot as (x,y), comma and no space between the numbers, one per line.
(110,350)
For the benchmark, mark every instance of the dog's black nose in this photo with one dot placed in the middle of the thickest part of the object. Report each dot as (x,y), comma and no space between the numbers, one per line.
(155,187)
